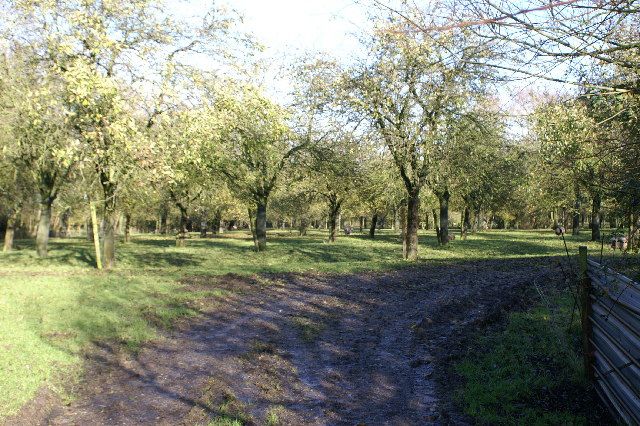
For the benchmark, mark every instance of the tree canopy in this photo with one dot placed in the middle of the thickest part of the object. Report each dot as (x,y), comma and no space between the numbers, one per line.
(108,109)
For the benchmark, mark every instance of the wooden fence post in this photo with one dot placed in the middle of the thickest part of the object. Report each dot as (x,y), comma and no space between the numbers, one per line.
(585,302)
(96,234)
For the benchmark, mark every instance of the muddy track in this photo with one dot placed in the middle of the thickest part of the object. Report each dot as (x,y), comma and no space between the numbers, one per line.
(307,349)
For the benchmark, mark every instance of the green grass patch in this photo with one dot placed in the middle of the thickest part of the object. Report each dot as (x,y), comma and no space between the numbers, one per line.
(51,309)
(273,416)
(231,412)
(309,329)
(233,253)
(46,321)
(530,372)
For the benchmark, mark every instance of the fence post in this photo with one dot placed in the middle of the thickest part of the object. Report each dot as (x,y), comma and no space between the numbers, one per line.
(585,302)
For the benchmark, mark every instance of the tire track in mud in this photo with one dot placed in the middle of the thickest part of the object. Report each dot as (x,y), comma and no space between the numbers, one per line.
(309,349)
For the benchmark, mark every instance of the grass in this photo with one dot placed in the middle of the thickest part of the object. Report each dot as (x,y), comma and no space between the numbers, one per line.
(273,416)
(233,253)
(52,309)
(521,375)
(309,330)
(231,413)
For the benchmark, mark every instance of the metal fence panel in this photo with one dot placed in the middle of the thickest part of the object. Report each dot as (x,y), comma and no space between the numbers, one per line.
(615,339)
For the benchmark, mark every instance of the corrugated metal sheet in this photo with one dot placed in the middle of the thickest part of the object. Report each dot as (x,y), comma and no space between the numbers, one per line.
(615,319)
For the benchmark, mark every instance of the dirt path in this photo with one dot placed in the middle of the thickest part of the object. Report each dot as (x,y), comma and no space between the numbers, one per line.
(308,349)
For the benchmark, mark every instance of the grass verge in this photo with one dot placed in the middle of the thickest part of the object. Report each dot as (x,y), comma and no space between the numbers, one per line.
(530,371)
(46,322)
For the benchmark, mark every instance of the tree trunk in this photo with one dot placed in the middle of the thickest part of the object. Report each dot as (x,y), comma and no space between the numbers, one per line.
(9,233)
(595,217)
(434,212)
(334,212)
(44,228)
(374,222)
(181,238)
(217,223)
(477,222)
(412,225)
(443,198)
(252,227)
(403,226)
(64,223)
(87,226)
(109,237)
(164,221)
(302,227)
(261,224)
(204,228)
(466,221)
(95,234)
(109,222)
(127,227)
(333,228)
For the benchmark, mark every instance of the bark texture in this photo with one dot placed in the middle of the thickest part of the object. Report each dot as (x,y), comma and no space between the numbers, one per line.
(374,222)
(127,227)
(334,212)
(181,238)
(443,199)
(412,225)
(595,217)
(109,238)
(466,221)
(436,225)
(109,222)
(261,224)
(252,227)
(9,233)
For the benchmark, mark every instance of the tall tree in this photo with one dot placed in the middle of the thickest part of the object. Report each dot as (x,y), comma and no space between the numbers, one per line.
(40,143)
(255,146)
(409,85)
(179,168)
(105,51)
(569,140)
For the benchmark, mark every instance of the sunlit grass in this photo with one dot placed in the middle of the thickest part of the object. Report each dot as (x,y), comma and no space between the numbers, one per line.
(233,252)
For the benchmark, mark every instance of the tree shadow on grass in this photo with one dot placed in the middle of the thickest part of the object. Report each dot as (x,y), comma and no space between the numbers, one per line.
(193,243)
(496,244)
(162,259)
(163,241)
(67,252)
